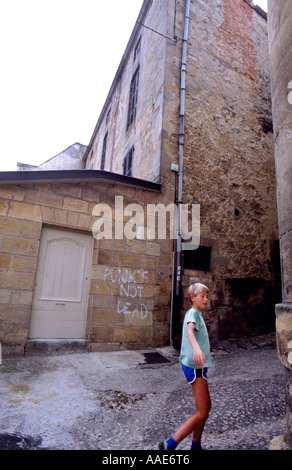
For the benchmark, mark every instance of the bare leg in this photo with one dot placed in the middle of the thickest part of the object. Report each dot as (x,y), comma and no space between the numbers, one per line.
(197,421)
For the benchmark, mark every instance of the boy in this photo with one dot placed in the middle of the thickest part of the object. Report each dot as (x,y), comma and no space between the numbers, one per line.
(195,360)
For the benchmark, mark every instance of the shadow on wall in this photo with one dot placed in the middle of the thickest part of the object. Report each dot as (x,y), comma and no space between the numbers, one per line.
(250,307)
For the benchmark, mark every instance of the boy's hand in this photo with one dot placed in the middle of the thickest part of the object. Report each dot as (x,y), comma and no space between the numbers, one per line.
(199,357)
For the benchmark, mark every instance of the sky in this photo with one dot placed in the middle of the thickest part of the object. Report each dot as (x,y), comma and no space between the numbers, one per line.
(58,60)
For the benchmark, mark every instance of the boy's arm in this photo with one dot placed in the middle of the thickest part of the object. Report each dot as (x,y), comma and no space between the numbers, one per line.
(199,357)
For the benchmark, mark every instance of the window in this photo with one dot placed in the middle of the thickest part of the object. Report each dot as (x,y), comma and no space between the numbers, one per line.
(89,161)
(198,260)
(133,98)
(137,49)
(128,162)
(108,116)
(102,163)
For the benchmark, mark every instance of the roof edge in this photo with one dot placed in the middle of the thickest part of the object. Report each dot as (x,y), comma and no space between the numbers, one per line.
(257,9)
(74,176)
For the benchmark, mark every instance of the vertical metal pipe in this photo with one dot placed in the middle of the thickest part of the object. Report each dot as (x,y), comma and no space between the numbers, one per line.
(177,294)
(181,144)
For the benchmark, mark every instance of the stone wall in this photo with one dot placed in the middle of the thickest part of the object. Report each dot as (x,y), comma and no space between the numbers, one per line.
(228,153)
(229,164)
(228,170)
(130,285)
(228,160)
(280,40)
(143,134)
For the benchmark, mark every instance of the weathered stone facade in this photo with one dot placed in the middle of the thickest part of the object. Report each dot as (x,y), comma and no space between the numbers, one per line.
(144,135)
(280,40)
(229,166)
(228,149)
(130,284)
(70,159)
(228,169)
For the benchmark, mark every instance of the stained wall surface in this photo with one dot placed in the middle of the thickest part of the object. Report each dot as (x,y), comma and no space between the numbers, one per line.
(228,159)
(280,40)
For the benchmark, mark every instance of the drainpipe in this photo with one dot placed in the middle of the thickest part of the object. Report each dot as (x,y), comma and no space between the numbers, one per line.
(178,270)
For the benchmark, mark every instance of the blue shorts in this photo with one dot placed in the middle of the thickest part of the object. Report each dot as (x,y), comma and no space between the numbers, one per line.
(191,374)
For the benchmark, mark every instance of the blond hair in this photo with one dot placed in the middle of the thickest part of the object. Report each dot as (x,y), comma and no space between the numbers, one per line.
(196,288)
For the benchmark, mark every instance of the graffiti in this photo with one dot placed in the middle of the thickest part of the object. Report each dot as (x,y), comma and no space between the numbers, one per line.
(129,281)
(135,310)
(125,276)
(131,291)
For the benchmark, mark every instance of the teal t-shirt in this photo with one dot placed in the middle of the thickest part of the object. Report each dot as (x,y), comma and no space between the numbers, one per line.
(201,334)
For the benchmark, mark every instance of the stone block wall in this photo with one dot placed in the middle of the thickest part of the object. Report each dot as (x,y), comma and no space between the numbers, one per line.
(280,41)
(130,286)
(228,145)
(229,161)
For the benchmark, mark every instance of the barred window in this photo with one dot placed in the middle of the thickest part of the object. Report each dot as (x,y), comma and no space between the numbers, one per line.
(108,116)
(137,49)
(128,163)
(102,164)
(133,98)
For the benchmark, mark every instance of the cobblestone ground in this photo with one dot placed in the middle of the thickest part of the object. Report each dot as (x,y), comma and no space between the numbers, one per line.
(118,402)
(247,387)
(247,412)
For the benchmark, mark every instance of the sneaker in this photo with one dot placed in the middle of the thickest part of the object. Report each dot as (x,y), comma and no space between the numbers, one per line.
(162,445)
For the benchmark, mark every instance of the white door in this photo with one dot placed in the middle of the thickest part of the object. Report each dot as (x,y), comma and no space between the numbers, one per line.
(59,306)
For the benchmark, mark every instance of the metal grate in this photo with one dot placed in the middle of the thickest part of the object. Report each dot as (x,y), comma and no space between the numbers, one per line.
(154,358)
